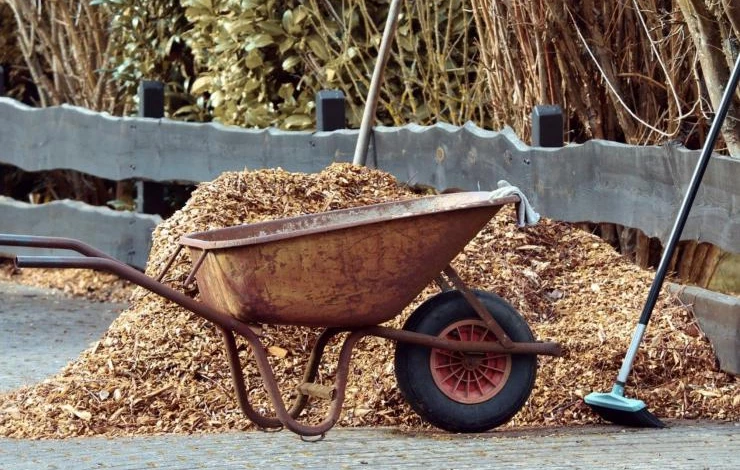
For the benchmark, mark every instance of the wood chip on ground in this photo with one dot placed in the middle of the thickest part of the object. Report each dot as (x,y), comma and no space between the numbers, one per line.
(161,369)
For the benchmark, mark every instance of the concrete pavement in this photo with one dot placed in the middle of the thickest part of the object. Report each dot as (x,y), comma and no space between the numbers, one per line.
(42,330)
(681,446)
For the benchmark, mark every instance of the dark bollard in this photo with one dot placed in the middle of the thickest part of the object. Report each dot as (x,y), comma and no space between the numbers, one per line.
(2,80)
(151,99)
(151,195)
(547,126)
(330,111)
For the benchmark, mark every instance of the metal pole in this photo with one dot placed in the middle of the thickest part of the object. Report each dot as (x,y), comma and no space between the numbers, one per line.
(368,117)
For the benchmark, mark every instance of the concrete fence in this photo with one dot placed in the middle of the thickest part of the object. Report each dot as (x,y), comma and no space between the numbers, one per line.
(599,181)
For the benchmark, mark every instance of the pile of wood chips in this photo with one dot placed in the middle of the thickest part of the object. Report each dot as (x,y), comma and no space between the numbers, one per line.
(161,369)
(91,285)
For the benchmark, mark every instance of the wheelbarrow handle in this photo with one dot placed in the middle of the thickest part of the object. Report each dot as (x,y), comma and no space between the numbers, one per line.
(125,271)
(97,260)
(32,241)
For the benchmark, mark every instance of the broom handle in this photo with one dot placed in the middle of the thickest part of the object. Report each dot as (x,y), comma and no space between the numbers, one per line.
(373,93)
(678,226)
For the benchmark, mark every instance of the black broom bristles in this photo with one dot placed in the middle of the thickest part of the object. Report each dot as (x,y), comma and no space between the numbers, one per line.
(638,419)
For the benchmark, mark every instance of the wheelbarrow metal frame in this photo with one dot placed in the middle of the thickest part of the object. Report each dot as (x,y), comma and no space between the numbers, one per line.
(229,326)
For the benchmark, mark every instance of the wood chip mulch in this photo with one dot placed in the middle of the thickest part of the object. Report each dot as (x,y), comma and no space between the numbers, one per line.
(161,369)
(92,285)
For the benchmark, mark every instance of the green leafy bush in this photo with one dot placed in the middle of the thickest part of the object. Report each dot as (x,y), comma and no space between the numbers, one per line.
(264,60)
(148,44)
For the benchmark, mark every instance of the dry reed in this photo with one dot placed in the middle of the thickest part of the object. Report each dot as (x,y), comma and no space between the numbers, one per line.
(625,71)
(65,47)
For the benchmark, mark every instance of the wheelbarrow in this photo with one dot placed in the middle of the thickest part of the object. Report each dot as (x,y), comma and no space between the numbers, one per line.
(465,360)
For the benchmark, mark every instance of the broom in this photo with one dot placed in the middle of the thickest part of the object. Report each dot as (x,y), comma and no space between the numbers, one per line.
(614,406)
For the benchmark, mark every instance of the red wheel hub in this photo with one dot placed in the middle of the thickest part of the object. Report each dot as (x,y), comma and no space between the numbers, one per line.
(469,377)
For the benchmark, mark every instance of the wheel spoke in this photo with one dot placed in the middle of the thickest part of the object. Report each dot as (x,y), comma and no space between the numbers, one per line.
(449,365)
(490,380)
(477,381)
(453,373)
(486,338)
(460,335)
(497,369)
(459,380)
(451,354)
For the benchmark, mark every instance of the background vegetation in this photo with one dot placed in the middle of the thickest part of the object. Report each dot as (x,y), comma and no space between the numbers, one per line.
(637,71)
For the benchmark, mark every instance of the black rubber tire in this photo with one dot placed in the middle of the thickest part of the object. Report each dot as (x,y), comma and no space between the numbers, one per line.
(414,375)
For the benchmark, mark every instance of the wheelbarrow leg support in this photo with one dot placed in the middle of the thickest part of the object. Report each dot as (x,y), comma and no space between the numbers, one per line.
(479,308)
(285,417)
(312,367)
(239,381)
(237,377)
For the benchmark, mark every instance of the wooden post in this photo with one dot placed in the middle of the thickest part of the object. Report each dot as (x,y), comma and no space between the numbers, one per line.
(627,241)
(686,258)
(609,234)
(674,259)
(642,249)
(330,110)
(711,261)
(547,126)
(697,263)
(585,226)
(150,197)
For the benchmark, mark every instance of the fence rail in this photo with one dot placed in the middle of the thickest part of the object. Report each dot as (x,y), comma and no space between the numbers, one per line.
(599,181)
(639,187)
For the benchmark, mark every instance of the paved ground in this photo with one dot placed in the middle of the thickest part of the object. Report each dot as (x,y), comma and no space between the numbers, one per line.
(41,331)
(678,447)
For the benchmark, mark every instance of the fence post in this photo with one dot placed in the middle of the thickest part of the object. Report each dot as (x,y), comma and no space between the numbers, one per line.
(150,195)
(2,80)
(547,126)
(330,111)
(151,99)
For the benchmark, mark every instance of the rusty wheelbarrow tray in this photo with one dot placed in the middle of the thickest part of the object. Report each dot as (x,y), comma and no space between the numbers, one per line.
(347,271)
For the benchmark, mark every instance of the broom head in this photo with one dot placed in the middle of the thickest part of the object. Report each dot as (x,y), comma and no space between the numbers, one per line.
(618,409)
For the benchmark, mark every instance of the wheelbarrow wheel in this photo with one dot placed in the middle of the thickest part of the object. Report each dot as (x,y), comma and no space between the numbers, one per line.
(461,392)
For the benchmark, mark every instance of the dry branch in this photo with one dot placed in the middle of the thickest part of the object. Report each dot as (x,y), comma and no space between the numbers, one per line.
(623,71)
(65,47)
